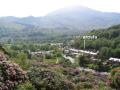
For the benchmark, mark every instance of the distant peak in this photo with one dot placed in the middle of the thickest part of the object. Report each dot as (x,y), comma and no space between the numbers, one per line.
(28,17)
(73,9)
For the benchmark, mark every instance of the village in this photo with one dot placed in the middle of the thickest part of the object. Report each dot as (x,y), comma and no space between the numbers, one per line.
(72,55)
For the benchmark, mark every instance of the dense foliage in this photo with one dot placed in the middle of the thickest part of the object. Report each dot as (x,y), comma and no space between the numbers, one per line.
(44,76)
(10,74)
(54,72)
(115,74)
(108,42)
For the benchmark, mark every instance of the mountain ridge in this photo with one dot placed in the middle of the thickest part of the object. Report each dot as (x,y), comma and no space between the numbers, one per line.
(66,21)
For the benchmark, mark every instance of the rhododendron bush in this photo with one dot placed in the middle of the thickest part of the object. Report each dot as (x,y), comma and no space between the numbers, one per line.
(46,79)
(11,74)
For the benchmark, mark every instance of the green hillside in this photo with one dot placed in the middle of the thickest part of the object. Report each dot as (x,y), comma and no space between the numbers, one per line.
(108,39)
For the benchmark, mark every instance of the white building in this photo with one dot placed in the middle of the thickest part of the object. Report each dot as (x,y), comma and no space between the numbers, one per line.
(84,51)
(114,59)
(42,53)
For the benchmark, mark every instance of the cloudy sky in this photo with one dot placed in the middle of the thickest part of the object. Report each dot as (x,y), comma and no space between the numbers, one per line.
(23,8)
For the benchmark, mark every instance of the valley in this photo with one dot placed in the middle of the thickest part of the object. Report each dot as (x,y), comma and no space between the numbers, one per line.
(66,65)
(70,48)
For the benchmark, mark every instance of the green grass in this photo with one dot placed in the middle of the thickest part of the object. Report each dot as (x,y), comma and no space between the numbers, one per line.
(50,61)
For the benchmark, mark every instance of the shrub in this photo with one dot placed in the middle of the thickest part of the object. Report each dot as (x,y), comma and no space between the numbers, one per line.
(67,85)
(84,85)
(115,76)
(25,86)
(65,63)
(47,79)
(11,74)
(44,79)
(83,61)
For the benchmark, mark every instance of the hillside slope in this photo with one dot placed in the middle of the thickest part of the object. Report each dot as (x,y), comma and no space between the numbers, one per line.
(108,41)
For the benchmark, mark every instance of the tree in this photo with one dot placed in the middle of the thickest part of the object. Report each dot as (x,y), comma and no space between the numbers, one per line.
(105,53)
(22,60)
(83,61)
(116,53)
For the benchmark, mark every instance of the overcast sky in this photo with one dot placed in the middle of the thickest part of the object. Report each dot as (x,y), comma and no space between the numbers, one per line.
(23,8)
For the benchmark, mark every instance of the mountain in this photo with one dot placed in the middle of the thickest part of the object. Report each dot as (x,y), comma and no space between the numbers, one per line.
(78,17)
(83,18)
(66,21)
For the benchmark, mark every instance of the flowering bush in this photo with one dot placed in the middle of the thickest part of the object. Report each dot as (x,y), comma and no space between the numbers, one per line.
(10,74)
(43,78)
